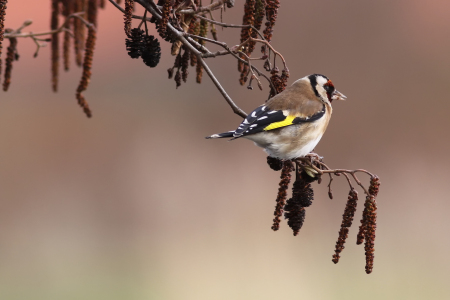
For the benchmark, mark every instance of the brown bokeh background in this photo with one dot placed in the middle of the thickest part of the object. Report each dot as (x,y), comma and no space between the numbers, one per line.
(135,203)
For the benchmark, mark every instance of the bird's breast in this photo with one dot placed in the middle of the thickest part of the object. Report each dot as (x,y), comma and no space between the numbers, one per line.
(292,141)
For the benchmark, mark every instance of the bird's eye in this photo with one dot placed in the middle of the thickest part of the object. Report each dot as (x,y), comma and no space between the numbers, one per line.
(329,87)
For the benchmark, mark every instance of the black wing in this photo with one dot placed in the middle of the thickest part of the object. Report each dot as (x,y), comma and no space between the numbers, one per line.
(262,119)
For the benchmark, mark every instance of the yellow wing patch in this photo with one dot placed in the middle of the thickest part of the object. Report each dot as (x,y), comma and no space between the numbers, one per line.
(285,122)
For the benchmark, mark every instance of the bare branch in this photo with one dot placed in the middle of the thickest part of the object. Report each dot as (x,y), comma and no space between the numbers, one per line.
(17,34)
(206,9)
(230,25)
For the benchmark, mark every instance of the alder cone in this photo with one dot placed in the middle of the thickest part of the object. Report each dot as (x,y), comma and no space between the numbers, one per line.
(151,51)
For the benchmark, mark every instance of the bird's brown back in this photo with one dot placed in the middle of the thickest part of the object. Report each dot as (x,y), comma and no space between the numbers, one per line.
(299,99)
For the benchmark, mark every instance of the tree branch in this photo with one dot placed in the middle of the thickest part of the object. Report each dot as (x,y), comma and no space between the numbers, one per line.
(208,8)
(180,35)
(17,33)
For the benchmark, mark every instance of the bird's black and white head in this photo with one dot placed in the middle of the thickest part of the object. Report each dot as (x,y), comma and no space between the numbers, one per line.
(324,88)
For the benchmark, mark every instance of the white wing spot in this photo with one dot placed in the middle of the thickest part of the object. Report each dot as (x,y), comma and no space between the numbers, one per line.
(254,125)
(253,114)
(245,121)
(262,118)
(272,112)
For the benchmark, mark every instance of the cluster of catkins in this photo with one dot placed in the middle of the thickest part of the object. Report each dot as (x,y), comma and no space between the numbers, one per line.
(148,48)
(302,194)
(254,13)
(75,37)
(145,46)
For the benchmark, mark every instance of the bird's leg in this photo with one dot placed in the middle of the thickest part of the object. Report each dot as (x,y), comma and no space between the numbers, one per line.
(313,155)
(307,164)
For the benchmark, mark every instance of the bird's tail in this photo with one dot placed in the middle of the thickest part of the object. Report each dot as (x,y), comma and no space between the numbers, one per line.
(228,134)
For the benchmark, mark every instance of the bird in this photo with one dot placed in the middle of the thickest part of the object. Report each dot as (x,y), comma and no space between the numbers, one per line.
(290,124)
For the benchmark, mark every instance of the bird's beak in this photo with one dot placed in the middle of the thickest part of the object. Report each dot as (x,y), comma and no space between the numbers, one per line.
(338,96)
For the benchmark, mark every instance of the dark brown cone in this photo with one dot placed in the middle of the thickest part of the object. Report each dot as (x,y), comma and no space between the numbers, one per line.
(302,191)
(54,23)
(281,197)
(302,196)
(11,55)
(295,214)
(347,219)
(274,163)
(134,43)
(151,51)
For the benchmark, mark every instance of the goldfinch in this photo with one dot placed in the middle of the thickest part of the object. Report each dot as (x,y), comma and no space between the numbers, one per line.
(290,124)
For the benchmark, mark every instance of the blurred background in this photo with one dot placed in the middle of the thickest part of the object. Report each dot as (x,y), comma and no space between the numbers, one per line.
(136,204)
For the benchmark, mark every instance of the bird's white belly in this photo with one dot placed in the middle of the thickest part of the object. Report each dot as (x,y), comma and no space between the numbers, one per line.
(289,143)
(287,152)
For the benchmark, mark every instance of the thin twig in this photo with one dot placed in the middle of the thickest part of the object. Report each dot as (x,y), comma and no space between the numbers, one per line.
(348,179)
(123,10)
(336,172)
(250,70)
(330,192)
(226,25)
(225,52)
(17,34)
(250,39)
(204,9)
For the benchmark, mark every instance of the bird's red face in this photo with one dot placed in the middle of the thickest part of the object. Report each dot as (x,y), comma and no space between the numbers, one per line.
(329,88)
(332,93)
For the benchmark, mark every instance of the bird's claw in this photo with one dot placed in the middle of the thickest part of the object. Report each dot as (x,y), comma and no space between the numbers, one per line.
(313,155)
